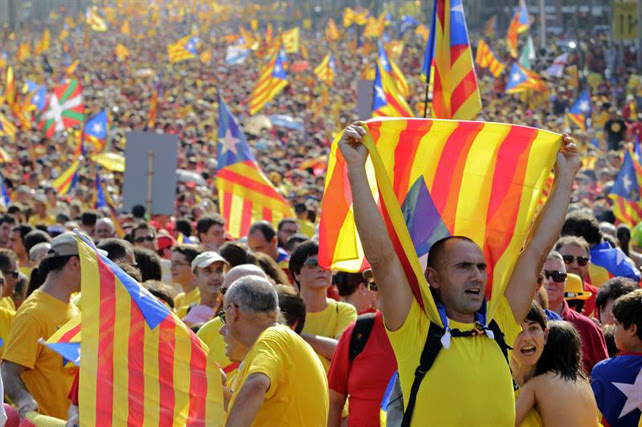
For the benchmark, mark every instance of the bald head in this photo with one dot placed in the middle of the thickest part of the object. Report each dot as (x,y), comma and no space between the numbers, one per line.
(243,270)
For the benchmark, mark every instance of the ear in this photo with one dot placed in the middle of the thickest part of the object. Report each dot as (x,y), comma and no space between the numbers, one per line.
(546,335)
(432,277)
(74,264)
(274,242)
(633,330)
(362,288)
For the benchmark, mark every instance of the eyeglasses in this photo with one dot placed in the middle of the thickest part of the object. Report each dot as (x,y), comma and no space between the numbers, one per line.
(372,286)
(581,260)
(557,276)
(221,314)
(311,263)
(144,239)
(14,273)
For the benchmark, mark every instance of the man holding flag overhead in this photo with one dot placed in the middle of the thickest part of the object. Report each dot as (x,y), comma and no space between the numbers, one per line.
(456,388)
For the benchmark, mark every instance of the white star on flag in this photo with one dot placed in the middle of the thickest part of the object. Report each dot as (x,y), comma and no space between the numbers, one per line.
(230,141)
(277,69)
(97,128)
(383,61)
(380,93)
(516,77)
(627,183)
(633,393)
(457,8)
(584,106)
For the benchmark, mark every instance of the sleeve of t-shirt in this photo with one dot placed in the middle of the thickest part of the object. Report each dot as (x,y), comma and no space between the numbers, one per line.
(347,314)
(268,360)
(411,334)
(23,347)
(340,365)
(506,321)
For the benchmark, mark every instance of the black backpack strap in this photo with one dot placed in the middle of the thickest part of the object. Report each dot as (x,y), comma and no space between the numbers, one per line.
(428,356)
(501,342)
(360,334)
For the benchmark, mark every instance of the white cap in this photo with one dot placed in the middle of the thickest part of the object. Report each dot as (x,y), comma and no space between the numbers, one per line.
(207,258)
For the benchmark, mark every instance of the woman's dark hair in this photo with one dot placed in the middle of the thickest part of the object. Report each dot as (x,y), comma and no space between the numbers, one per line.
(583,224)
(292,307)
(149,264)
(234,253)
(536,315)
(624,237)
(161,291)
(301,253)
(562,353)
(270,267)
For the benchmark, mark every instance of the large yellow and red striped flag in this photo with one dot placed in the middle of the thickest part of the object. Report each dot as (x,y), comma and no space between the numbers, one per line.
(439,178)
(245,193)
(139,363)
(449,58)
(272,80)
(485,58)
(387,101)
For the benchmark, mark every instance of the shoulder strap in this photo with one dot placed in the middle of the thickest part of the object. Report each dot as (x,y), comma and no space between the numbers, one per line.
(499,338)
(360,334)
(428,356)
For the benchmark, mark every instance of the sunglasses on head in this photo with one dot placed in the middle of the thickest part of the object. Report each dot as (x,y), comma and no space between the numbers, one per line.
(581,260)
(557,276)
(144,239)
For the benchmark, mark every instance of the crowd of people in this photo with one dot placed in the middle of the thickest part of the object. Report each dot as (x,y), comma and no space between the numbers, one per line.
(299,344)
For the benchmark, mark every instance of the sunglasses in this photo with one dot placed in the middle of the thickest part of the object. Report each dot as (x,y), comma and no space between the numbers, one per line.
(372,286)
(557,276)
(144,239)
(311,263)
(14,273)
(581,260)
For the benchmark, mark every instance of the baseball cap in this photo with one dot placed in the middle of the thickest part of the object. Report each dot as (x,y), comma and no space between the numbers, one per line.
(207,258)
(66,244)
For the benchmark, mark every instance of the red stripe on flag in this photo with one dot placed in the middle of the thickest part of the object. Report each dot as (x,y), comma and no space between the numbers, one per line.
(267,214)
(456,51)
(450,171)
(105,368)
(466,88)
(506,194)
(227,208)
(438,104)
(246,216)
(198,384)
(136,364)
(401,110)
(70,333)
(167,348)
(246,182)
(405,155)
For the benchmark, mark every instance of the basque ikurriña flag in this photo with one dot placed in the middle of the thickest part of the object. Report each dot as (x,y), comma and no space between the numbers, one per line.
(436,178)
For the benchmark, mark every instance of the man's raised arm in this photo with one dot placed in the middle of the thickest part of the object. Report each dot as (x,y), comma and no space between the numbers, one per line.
(396,295)
(522,284)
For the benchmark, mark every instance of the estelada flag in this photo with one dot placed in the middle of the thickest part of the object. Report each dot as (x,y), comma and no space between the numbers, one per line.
(138,362)
(438,178)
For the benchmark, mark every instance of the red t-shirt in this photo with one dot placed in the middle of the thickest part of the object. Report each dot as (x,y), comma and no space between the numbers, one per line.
(366,378)
(593,344)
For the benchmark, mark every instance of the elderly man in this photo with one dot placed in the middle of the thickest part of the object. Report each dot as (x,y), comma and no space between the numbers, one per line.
(279,370)
(104,229)
(457,274)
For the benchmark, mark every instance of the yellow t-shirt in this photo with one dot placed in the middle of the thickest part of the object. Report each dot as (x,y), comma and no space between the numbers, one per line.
(306,227)
(183,300)
(330,322)
(47,220)
(298,393)
(6,319)
(26,271)
(7,302)
(469,383)
(533,419)
(45,378)
(216,344)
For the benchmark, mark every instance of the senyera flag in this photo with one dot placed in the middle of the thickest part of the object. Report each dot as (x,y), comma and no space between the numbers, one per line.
(436,178)
(139,364)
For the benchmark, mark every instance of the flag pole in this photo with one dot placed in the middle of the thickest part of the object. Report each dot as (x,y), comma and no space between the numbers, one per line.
(426,99)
